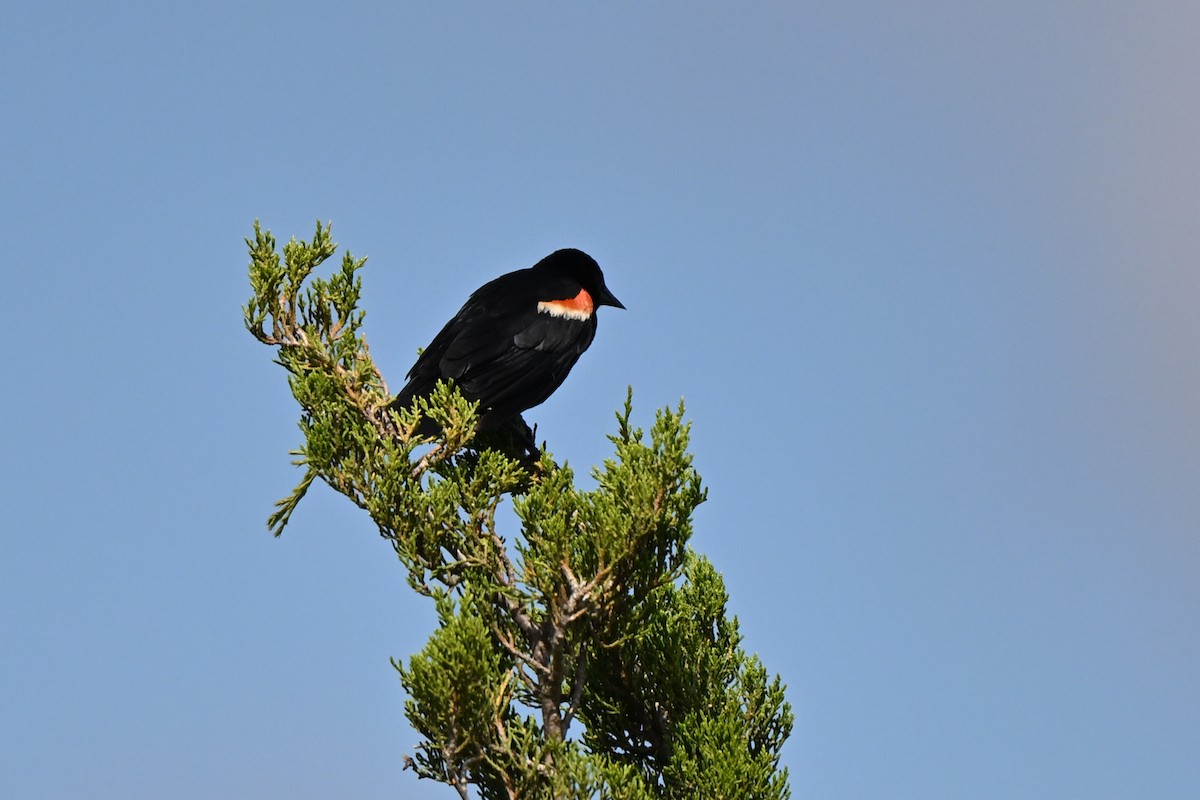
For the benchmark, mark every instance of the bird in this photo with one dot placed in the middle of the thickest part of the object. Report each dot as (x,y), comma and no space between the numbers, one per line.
(514,341)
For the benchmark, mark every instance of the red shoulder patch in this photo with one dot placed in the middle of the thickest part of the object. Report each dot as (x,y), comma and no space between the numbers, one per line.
(578,307)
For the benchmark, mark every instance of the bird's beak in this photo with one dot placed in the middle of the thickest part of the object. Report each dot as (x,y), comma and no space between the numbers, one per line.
(607,298)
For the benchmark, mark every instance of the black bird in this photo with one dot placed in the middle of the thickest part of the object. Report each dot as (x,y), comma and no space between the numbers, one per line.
(514,341)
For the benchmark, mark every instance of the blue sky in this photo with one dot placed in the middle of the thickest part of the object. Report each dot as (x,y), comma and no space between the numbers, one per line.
(925,273)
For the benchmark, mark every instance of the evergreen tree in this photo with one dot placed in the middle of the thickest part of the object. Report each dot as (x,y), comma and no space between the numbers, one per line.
(595,611)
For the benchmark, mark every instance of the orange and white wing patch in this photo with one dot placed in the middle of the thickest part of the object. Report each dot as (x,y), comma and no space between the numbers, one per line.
(578,307)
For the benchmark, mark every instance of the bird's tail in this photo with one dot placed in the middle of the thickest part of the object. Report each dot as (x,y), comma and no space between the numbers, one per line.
(405,398)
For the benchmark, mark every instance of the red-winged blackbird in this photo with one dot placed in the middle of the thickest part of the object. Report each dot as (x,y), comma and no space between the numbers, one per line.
(514,341)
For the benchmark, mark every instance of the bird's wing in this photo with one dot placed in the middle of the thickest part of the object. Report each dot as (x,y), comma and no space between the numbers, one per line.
(500,350)
(525,374)
(479,323)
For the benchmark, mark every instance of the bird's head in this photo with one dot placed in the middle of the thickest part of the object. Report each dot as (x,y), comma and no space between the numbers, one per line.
(581,267)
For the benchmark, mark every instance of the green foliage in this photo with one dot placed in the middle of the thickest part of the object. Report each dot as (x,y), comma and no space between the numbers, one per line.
(594,610)
(679,699)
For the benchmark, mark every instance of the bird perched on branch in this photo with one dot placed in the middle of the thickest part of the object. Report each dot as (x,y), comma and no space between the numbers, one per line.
(514,341)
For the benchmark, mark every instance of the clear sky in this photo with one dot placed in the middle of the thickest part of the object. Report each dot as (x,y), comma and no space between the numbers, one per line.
(927,274)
